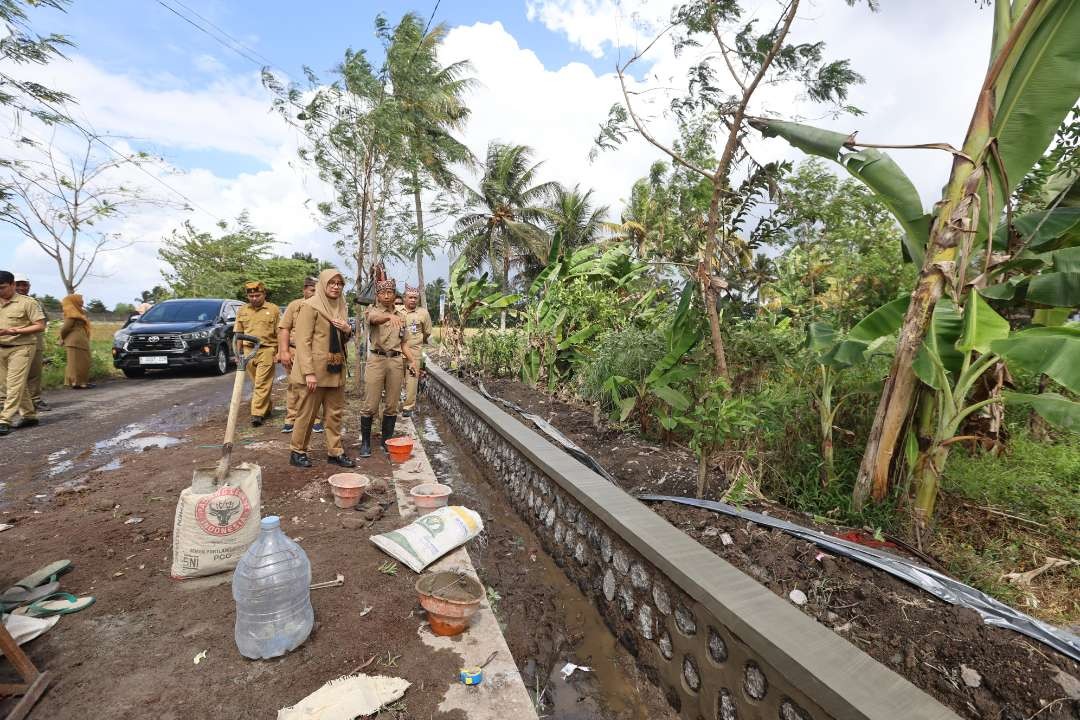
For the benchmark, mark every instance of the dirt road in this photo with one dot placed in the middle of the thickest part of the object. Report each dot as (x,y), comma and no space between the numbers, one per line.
(88,430)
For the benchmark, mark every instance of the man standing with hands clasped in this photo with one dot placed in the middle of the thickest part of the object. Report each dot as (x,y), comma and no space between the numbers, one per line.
(417,331)
(385,367)
(21,321)
(260,319)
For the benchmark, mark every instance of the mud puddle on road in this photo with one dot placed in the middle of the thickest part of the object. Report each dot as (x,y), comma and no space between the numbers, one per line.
(545,618)
(133,438)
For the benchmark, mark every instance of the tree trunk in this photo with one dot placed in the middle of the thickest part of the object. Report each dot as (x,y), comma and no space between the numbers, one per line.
(419,240)
(505,282)
(927,478)
(707,291)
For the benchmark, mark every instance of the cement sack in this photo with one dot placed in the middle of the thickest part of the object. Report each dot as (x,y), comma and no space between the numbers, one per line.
(214,524)
(428,538)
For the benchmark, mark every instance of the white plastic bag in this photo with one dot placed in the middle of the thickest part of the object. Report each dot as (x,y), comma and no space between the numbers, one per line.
(428,538)
(215,524)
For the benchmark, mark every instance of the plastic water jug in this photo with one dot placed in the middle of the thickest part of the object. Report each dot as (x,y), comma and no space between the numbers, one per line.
(271,587)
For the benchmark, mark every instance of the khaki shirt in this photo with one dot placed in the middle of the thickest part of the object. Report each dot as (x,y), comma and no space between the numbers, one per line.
(288,318)
(417,325)
(19,312)
(260,322)
(311,335)
(383,337)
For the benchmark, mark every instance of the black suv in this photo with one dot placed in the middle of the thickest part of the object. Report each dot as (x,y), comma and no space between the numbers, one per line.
(178,333)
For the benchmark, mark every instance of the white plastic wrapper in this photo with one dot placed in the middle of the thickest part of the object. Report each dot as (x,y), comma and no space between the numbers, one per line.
(428,538)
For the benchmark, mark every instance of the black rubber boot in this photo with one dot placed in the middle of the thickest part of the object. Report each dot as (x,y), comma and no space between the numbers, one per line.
(341,460)
(365,437)
(297,459)
(388,423)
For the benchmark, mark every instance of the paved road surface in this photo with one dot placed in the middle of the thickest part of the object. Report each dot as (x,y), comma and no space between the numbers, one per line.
(87,429)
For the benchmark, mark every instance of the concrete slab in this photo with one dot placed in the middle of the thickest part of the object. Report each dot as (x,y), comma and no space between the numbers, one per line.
(502,694)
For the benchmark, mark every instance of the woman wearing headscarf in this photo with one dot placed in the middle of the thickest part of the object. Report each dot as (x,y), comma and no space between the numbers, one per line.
(75,337)
(320,333)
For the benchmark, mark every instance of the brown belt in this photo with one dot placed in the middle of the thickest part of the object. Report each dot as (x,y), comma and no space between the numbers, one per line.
(386,353)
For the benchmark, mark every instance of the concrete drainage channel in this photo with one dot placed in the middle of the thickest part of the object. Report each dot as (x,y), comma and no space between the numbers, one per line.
(718,644)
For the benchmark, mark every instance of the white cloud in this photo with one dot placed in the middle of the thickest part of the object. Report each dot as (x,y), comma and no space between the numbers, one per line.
(208,64)
(594,24)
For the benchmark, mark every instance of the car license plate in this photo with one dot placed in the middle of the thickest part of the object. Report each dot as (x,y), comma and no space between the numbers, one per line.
(154,360)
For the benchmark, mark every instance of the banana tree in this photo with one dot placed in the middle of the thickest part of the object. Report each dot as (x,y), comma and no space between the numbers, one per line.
(630,397)
(962,347)
(834,354)
(1030,86)
(556,336)
(470,299)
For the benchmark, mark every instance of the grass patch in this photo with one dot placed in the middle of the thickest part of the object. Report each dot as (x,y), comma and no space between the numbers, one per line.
(101,338)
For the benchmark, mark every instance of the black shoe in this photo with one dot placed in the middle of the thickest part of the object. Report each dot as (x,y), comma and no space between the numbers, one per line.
(407,413)
(5,429)
(388,423)
(42,405)
(29,422)
(365,437)
(286,428)
(341,460)
(298,459)
(256,421)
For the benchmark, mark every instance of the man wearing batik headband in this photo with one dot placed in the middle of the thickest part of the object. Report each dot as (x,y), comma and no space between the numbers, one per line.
(417,331)
(384,372)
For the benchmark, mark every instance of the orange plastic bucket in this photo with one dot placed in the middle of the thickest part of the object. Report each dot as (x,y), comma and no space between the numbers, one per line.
(400,448)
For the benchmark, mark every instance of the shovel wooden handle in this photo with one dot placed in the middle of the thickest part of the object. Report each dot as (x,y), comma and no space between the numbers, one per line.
(234,407)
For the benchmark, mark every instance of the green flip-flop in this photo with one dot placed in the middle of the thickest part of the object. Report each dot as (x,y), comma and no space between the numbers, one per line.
(60,603)
(18,595)
(45,574)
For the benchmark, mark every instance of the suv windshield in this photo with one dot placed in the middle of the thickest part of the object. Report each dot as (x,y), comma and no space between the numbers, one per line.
(182,311)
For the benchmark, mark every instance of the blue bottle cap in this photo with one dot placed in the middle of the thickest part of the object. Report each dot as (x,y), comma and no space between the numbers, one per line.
(270,521)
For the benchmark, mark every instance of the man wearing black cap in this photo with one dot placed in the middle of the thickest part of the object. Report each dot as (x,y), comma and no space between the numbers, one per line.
(259,319)
(21,320)
(295,394)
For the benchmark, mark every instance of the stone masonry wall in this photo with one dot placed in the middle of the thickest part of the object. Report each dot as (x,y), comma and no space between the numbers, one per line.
(705,668)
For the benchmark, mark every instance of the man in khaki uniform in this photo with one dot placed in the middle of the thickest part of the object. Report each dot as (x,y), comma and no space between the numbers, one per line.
(21,320)
(417,323)
(387,346)
(295,393)
(22,286)
(260,319)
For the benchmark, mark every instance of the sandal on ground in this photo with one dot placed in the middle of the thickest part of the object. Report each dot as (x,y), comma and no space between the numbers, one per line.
(18,595)
(47,573)
(60,603)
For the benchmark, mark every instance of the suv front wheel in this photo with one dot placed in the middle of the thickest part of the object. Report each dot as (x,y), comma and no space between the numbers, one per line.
(221,360)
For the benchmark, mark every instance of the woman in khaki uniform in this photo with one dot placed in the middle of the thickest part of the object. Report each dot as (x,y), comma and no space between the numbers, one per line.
(75,337)
(320,333)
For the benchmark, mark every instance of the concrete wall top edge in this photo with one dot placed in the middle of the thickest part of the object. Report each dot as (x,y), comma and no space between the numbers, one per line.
(844,680)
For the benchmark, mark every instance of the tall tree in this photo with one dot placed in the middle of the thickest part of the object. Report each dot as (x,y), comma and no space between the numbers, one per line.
(202,264)
(752,59)
(61,202)
(502,224)
(429,99)
(23,46)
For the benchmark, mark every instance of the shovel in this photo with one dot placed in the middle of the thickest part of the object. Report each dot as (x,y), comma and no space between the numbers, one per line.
(222,469)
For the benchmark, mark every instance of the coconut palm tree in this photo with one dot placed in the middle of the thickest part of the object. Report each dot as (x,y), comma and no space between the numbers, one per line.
(503,224)
(430,99)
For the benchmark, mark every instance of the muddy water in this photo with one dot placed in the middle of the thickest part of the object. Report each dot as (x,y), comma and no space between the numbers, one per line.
(611,688)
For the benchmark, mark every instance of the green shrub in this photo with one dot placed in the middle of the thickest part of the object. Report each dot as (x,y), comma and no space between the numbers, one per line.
(497,353)
(631,353)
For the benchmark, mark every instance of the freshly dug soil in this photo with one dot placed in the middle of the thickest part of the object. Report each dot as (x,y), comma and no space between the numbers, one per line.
(545,619)
(978,670)
(131,654)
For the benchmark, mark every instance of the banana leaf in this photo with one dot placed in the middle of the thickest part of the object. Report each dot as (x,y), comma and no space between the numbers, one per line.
(874,168)
(1055,409)
(820,337)
(939,346)
(981,326)
(671,396)
(881,323)
(579,337)
(1039,230)
(1059,289)
(1038,88)
(1051,317)
(1053,351)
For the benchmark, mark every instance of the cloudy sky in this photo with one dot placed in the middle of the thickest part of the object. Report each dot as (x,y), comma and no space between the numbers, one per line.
(545,70)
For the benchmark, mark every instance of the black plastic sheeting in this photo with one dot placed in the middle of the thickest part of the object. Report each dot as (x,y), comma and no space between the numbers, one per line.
(932,581)
(552,432)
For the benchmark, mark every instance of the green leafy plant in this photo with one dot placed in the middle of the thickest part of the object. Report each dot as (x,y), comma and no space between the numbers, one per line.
(716,418)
